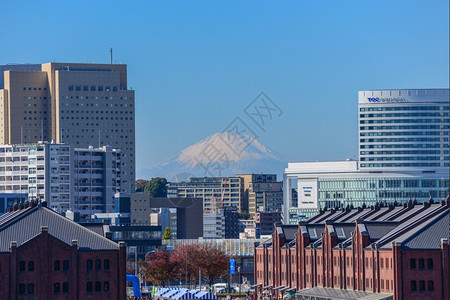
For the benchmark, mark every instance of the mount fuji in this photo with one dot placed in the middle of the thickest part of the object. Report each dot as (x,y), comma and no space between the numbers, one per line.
(220,155)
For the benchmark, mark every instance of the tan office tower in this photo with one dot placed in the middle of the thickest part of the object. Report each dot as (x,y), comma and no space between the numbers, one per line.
(76,104)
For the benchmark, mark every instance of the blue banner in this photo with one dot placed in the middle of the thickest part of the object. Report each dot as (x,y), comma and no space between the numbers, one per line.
(232,266)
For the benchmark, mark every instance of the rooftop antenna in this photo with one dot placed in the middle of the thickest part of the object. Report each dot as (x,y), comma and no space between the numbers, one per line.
(110,51)
(99,138)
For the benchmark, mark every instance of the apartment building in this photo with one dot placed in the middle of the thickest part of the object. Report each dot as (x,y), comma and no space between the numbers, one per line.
(216,192)
(79,179)
(72,103)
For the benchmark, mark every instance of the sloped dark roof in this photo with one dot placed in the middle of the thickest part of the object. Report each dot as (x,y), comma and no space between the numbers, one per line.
(23,225)
(290,231)
(377,230)
(411,226)
(429,235)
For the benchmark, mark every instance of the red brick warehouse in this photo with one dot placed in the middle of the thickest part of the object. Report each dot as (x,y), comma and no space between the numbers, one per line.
(44,255)
(398,252)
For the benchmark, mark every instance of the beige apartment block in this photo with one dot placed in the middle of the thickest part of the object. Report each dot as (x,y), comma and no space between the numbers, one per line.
(79,104)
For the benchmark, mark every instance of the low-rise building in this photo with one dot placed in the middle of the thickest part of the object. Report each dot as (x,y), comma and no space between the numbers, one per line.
(396,251)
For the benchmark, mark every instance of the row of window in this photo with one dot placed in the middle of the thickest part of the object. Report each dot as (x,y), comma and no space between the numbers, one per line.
(96,118)
(405,165)
(405,146)
(421,264)
(57,287)
(404,121)
(400,108)
(404,133)
(433,114)
(29,288)
(34,89)
(422,285)
(404,127)
(98,264)
(415,152)
(95,104)
(97,286)
(96,112)
(387,140)
(408,158)
(92,88)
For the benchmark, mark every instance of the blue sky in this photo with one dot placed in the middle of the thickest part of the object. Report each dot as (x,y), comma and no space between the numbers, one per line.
(196,65)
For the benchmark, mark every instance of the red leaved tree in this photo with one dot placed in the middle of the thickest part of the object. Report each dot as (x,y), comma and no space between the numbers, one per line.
(159,268)
(192,258)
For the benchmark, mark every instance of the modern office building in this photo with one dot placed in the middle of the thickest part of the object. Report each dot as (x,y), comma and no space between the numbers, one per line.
(264,193)
(404,130)
(82,180)
(404,154)
(76,104)
(216,192)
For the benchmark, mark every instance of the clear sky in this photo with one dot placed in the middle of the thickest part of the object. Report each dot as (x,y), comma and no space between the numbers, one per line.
(196,65)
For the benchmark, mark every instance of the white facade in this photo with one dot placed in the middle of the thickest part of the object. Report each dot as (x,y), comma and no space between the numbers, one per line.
(214,225)
(83,180)
(403,129)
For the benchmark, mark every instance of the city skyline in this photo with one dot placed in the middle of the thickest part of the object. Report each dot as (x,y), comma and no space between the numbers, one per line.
(195,68)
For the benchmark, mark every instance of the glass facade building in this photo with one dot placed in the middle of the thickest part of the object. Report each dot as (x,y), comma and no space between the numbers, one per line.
(403,129)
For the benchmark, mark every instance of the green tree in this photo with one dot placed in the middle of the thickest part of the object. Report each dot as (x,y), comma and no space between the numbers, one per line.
(156,187)
(167,235)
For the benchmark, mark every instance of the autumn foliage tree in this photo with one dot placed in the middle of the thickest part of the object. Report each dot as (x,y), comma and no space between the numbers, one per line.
(159,268)
(172,265)
(210,261)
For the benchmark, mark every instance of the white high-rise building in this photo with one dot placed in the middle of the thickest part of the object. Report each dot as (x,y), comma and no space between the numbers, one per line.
(403,130)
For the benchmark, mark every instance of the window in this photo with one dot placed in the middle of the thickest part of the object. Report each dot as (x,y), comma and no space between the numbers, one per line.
(430,285)
(98,286)
(430,264)
(31,266)
(413,285)
(89,287)
(65,287)
(56,265)
(422,285)
(106,286)
(106,264)
(412,263)
(89,265)
(421,263)
(65,265)
(56,288)
(30,289)
(22,266)
(21,289)
(98,264)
